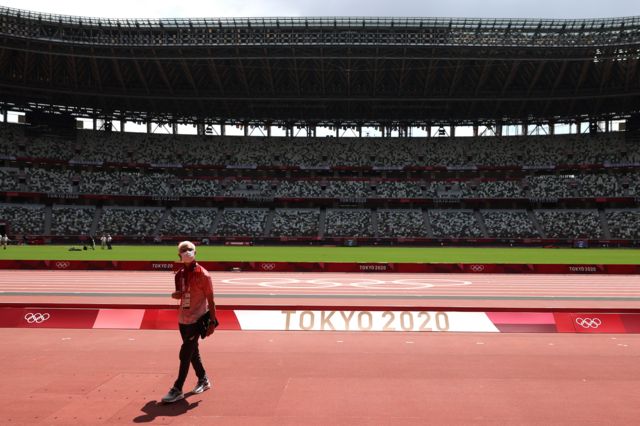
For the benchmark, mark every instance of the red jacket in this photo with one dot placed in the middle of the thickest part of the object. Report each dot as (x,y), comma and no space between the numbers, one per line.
(195,284)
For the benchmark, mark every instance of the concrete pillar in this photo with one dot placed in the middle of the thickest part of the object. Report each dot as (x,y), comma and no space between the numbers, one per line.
(174,128)
(498,129)
(525,129)
(453,131)
(475,130)
(552,128)
(222,128)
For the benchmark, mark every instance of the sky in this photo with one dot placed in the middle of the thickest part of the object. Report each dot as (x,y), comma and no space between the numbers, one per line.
(565,9)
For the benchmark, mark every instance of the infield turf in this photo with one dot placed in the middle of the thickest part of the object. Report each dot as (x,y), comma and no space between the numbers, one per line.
(335,254)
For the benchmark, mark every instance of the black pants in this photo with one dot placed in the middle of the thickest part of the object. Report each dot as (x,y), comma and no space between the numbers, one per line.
(189,354)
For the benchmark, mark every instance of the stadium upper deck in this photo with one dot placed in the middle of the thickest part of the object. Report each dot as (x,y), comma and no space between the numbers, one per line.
(323,30)
(389,71)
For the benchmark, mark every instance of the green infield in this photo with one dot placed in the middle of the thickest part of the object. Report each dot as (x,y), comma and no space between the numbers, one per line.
(335,254)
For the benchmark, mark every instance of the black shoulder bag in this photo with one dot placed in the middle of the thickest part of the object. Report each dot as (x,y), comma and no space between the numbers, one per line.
(204,322)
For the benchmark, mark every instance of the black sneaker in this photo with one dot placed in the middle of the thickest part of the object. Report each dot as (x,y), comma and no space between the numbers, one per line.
(202,385)
(173,395)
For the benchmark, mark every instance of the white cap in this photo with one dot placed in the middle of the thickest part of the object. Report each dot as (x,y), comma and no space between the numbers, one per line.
(187,244)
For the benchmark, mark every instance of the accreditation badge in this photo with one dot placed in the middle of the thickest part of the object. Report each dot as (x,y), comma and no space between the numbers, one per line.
(186,300)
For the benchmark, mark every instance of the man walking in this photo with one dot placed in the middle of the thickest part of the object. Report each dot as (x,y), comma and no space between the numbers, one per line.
(195,292)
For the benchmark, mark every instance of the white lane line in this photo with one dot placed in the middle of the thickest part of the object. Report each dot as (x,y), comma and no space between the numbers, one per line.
(330,283)
(345,290)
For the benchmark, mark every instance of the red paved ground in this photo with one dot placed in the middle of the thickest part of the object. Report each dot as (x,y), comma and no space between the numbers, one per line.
(331,289)
(78,377)
(82,377)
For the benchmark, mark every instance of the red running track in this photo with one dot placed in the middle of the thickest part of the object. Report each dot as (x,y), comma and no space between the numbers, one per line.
(315,378)
(330,289)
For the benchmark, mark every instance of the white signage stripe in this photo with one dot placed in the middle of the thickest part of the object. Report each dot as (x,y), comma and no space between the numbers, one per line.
(326,320)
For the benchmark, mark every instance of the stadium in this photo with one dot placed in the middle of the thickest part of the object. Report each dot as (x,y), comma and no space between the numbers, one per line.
(512,179)
(337,174)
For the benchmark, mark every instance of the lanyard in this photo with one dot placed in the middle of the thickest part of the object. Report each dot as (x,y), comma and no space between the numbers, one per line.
(183,280)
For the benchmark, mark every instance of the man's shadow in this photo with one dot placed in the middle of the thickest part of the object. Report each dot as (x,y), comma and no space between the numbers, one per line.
(153,409)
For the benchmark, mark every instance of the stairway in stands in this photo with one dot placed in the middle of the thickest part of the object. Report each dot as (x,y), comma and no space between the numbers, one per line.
(536,224)
(481,224)
(322,222)
(604,225)
(268,223)
(96,221)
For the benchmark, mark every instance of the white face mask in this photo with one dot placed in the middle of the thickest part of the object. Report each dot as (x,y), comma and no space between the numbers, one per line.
(187,256)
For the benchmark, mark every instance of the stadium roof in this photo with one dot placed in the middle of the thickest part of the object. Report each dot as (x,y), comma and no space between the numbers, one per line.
(322,70)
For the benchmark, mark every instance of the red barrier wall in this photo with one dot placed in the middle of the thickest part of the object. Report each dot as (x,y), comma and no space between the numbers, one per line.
(470,268)
(231,318)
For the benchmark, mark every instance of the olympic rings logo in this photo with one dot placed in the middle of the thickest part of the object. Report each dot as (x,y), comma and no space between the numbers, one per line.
(589,322)
(268,266)
(36,318)
(476,268)
(62,265)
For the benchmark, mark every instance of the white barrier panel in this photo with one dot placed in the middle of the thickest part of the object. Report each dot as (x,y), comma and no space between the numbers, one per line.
(425,321)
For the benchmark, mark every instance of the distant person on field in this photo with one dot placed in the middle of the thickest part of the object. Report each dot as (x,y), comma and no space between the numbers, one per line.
(5,241)
(194,289)
(109,241)
(93,243)
(103,241)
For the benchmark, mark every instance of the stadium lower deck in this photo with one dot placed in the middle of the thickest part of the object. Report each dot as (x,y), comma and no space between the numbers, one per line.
(115,372)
